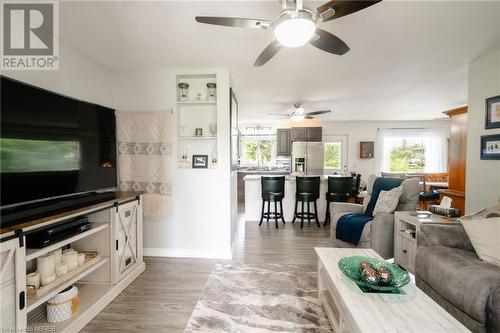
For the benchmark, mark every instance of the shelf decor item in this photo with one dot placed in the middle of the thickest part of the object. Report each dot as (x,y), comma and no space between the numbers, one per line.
(61,269)
(70,258)
(62,306)
(211,91)
(366,149)
(198,132)
(490,147)
(45,265)
(367,282)
(492,112)
(33,279)
(183,87)
(213,129)
(200,162)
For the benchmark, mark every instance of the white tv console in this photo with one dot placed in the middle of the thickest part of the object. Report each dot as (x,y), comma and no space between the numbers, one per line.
(116,234)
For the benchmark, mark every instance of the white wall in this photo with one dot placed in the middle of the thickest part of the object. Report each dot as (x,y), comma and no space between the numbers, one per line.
(79,76)
(483,176)
(357,131)
(200,225)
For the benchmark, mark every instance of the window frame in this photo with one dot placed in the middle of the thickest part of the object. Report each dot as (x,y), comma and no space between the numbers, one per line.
(343,139)
(258,138)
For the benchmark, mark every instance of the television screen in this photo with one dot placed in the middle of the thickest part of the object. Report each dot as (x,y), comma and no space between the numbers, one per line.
(52,146)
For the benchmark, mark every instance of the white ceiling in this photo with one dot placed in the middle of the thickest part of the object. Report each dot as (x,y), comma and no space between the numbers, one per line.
(408,59)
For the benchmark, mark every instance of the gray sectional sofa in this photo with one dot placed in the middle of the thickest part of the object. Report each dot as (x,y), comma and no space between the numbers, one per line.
(449,271)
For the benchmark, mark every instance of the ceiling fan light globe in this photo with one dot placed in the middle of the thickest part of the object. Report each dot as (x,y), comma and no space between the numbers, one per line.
(294,32)
(297,117)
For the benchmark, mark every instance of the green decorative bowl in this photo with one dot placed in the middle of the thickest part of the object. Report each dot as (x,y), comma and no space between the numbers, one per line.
(350,267)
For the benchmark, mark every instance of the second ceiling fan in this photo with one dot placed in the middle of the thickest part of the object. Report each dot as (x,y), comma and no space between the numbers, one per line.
(298,113)
(296,26)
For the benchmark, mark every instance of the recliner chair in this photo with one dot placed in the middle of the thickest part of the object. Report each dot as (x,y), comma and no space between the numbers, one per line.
(378,234)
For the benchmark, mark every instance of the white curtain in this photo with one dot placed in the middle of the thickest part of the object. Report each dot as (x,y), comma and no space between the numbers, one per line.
(433,141)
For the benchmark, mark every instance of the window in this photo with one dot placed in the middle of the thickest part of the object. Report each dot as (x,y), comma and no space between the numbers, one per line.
(412,150)
(258,151)
(335,156)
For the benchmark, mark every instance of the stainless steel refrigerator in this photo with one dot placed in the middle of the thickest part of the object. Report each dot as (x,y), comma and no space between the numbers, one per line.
(308,158)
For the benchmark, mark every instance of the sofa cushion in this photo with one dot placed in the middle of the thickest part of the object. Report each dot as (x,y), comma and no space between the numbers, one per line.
(483,234)
(387,201)
(459,277)
(408,201)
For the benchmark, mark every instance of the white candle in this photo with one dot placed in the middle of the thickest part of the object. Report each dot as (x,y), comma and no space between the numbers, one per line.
(81,258)
(33,279)
(70,259)
(45,265)
(46,279)
(58,256)
(61,269)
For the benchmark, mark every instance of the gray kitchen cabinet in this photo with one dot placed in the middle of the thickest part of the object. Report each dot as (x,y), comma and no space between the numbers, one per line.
(284,142)
(314,134)
(307,134)
(299,133)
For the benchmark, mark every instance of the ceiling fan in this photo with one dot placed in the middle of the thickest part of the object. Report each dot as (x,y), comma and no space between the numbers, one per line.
(298,113)
(296,25)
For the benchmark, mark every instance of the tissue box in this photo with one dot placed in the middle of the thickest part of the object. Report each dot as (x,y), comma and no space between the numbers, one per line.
(450,212)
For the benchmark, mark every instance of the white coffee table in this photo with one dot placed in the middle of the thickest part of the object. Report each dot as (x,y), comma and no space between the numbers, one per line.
(351,310)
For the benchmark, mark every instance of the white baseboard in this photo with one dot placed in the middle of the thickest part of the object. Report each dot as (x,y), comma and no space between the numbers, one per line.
(188,253)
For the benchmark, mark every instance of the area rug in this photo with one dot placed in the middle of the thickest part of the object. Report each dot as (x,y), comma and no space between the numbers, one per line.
(260,298)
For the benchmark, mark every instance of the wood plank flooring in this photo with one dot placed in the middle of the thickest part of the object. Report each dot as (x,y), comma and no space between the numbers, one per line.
(163,297)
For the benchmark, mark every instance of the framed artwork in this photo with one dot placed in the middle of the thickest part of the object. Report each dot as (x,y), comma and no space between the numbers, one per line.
(490,147)
(200,161)
(492,112)
(366,149)
(233,118)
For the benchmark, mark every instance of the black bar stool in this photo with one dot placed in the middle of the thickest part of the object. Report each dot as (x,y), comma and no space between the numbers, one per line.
(339,190)
(307,191)
(273,190)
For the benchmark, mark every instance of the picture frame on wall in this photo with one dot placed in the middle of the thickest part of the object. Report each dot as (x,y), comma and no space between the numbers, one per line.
(492,112)
(200,162)
(366,149)
(490,147)
(234,135)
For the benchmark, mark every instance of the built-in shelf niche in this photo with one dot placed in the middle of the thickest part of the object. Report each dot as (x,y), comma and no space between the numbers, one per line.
(196,110)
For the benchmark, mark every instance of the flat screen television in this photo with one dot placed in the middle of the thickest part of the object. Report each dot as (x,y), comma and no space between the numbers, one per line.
(56,152)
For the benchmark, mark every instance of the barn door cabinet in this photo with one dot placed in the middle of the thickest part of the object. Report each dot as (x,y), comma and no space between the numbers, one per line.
(128,246)
(116,235)
(13,285)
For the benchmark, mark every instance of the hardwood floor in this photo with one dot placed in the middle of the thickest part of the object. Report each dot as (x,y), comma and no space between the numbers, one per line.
(163,297)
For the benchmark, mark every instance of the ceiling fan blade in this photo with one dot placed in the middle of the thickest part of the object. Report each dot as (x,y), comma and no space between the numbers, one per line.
(308,117)
(315,113)
(269,52)
(237,22)
(339,8)
(330,43)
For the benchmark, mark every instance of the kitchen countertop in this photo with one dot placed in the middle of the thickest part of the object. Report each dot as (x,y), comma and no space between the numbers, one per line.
(264,171)
(288,177)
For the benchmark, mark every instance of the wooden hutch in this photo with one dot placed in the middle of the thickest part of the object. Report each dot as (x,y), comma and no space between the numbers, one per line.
(457,156)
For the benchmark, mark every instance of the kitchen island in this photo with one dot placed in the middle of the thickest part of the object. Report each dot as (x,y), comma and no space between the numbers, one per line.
(253,200)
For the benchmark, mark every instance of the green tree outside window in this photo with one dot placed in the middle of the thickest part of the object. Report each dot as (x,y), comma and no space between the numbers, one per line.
(407,157)
(333,155)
